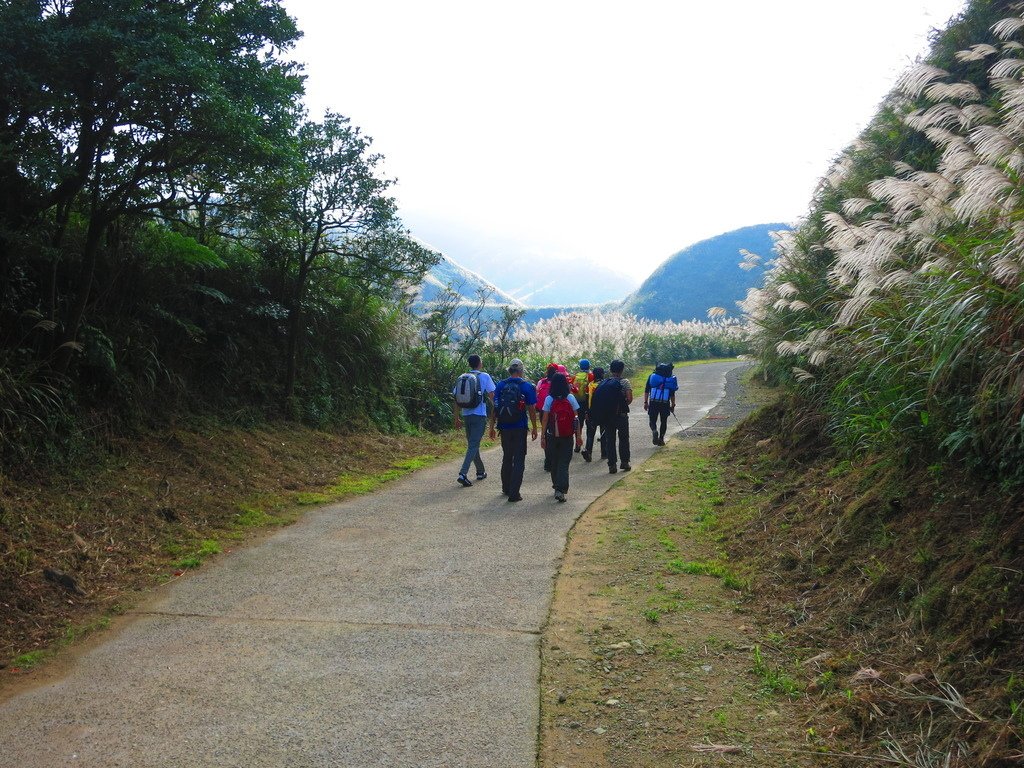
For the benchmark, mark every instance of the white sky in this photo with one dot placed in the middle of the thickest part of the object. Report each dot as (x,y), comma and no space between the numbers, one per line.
(616,131)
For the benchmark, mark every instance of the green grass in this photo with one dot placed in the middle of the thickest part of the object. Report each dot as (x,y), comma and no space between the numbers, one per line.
(359,485)
(719,571)
(71,634)
(773,680)
(207,548)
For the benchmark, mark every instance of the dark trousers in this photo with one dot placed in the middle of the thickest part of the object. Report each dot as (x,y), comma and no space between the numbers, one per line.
(591,430)
(618,429)
(559,453)
(513,460)
(657,410)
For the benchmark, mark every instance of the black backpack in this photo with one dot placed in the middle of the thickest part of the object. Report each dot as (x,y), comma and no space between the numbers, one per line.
(508,408)
(606,402)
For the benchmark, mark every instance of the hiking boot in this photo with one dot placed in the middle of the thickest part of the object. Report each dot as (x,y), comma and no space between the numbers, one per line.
(661,440)
(481,476)
(612,470)
(654,436)
(517,497)
(586,455)
(625,466)
(559,497)
(577,449)
(464,481)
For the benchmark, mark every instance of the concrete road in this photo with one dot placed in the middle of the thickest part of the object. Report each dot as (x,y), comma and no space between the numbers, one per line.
(396,629)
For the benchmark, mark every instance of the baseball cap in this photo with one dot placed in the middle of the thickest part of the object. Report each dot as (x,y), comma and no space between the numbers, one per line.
(515,365)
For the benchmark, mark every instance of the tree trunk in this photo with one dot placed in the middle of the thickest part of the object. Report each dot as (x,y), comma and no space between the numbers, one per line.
(62,355)
(295,333)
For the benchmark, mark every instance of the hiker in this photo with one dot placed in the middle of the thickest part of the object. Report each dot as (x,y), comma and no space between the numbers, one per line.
(592,424)
(473,392)
(543,385)
(581,388)
(559,427)
(610,406)
(660,399)
(514,399)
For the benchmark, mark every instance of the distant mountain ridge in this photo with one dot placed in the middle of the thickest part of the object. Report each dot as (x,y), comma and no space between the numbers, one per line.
(704,275)
(447,274)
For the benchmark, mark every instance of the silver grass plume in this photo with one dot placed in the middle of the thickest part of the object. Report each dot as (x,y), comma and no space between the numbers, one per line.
(977,52)
(916,79)
(1007,28)
(964,92)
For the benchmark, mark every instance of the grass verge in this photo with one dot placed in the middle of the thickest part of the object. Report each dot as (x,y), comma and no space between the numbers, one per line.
(76,549)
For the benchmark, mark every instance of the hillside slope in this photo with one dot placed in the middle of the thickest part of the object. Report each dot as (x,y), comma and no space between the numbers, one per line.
(468,284)
(705,274)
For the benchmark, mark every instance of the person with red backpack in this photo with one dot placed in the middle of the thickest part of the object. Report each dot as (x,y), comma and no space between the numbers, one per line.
(560,430)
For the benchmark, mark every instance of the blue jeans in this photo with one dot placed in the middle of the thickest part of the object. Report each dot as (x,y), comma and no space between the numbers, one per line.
(475,426)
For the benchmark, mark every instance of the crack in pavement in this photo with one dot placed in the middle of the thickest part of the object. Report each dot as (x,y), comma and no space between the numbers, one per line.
(469,629)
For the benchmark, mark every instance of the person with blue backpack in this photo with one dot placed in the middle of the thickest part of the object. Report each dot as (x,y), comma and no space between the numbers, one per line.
(660,400)
(472,392)
(515,399)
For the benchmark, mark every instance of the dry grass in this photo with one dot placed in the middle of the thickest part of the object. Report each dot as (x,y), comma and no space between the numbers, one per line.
(75,548)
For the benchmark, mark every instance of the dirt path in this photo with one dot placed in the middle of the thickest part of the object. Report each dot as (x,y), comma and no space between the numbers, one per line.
(650,657)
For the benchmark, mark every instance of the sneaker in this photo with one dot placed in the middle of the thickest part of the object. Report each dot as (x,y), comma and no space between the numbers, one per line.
(661,440)
(559,497)
(464,481)
(654,436)
(625,466)
(586,455)
(481,476)
(577,449)
(612,470)
(515,498)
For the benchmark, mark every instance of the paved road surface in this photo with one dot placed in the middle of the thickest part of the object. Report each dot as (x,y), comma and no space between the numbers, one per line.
(399,629)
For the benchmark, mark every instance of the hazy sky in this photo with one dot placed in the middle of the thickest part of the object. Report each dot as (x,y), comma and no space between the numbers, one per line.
(615,131)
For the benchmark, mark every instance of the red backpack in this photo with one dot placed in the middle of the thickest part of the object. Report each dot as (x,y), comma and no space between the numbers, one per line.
(562,417)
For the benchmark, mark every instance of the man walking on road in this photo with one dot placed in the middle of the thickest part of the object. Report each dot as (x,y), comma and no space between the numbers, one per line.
(514,400)
(660,400)
(618,425)
(472,407)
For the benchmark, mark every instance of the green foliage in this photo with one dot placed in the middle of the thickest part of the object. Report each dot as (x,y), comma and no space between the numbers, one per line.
(774,680)
(899,317)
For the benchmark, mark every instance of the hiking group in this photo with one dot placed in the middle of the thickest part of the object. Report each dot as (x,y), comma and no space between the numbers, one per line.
(572,409)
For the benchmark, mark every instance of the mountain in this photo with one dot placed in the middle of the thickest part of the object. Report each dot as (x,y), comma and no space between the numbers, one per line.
(529,276)
(468,284)
(704,275)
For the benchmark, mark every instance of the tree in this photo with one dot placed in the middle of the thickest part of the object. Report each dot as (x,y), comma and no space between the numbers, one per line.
(116,102)
(327,213)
